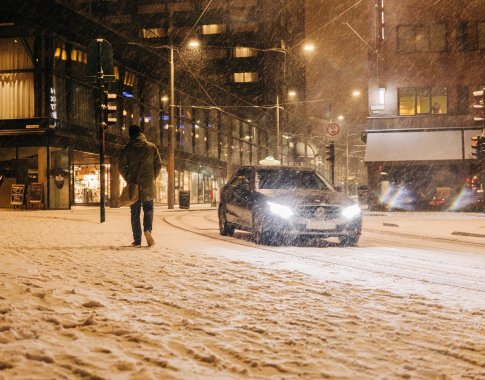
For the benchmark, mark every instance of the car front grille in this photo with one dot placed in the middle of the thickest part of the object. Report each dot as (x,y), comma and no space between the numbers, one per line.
(325,212)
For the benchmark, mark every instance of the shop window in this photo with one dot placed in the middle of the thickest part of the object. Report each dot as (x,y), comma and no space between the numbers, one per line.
(417,101)
(421,38)
(244,52)
(247,77)
(213,29)
(87,183)
(236,152)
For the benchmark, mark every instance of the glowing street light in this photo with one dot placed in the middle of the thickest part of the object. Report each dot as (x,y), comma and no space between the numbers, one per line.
(194,43)
(309,47)
(292,93)
(356,93)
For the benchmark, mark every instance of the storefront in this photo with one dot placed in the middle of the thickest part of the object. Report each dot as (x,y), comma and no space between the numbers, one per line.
(409,169)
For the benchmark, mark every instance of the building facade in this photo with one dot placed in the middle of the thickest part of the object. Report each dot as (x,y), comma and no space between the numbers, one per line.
(48,105)
(429,59)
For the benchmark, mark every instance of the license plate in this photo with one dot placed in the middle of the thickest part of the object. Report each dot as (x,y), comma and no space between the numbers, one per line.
(321,225)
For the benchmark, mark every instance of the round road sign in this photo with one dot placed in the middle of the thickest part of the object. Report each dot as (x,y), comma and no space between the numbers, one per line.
(333,129)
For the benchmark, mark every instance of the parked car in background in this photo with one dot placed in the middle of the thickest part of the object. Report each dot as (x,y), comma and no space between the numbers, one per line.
(279,203)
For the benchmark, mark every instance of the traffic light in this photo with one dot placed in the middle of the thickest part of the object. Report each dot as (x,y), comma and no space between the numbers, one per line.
(330,152)
(109,109)
(478,147)
(479,106)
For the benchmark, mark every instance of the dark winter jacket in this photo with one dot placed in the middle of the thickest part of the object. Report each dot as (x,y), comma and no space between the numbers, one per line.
(140,149)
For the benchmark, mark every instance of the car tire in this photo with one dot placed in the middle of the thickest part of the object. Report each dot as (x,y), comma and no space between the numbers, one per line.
(225,229)
(349,240)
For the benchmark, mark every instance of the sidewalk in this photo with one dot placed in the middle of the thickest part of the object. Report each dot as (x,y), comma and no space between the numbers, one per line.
(469,227)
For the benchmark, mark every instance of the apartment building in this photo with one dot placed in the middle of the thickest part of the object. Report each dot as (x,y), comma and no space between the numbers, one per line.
(428,61)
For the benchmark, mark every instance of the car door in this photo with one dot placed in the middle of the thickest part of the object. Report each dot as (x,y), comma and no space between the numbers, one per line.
(237,196)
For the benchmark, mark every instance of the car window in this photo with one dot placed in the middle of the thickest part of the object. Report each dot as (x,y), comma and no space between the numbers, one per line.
(242,177)
(290,179)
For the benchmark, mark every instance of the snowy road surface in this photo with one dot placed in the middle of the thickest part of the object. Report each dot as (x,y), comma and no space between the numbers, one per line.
(76,303)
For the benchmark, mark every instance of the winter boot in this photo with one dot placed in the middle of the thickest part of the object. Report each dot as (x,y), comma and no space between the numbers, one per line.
(149,237)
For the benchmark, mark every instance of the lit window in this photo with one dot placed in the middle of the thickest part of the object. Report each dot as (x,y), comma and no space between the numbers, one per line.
(244,52)
(418,101)
(60,52)
(213,29)
(246,77)
(152,33)
(129,79)
(116,72)
(78,56)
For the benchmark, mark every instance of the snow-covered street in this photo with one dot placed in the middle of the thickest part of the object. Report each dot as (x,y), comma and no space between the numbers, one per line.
(76,303)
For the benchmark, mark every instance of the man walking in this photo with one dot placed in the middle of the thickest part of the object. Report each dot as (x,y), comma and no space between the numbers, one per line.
(140,163)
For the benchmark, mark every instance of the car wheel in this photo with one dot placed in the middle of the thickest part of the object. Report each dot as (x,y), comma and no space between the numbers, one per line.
(349,240)
(225,229)
(261,234)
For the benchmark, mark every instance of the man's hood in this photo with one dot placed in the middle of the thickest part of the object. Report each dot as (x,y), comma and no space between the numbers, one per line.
(139,141)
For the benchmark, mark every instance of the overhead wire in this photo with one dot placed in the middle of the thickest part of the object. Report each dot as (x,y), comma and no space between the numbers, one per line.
(331,21)
(196,22)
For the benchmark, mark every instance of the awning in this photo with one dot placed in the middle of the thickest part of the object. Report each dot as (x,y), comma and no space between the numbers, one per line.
(419,145)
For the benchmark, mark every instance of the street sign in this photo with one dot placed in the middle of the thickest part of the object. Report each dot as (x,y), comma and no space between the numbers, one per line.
(333,129)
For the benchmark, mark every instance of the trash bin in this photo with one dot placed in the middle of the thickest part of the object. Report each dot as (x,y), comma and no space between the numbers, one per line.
(184,199)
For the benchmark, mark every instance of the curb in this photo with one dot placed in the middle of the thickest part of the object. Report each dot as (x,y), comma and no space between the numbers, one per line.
(458,233)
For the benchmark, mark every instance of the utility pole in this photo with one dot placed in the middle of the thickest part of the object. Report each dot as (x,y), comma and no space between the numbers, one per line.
(100,66)
(346,190)
(278,142)
(171,138)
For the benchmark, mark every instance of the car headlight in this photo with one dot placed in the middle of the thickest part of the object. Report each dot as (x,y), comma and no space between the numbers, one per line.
(282,211)
(351,212)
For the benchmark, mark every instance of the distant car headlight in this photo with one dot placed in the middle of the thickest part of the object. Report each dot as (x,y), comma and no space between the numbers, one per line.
(282,211)
(351,212)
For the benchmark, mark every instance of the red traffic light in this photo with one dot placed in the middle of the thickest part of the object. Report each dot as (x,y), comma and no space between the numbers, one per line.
(330,152)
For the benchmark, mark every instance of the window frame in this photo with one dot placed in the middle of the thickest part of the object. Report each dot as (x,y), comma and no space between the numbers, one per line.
(431,91)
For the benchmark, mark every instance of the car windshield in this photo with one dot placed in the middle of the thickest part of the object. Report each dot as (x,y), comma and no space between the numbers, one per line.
(290,179)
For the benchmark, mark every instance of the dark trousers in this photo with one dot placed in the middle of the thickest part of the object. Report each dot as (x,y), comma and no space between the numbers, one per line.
(135,218)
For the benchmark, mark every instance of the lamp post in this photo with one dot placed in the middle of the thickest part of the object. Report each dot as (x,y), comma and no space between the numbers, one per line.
(171,138)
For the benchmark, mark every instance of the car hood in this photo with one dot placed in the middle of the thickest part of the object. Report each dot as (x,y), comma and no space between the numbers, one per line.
(305,197)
